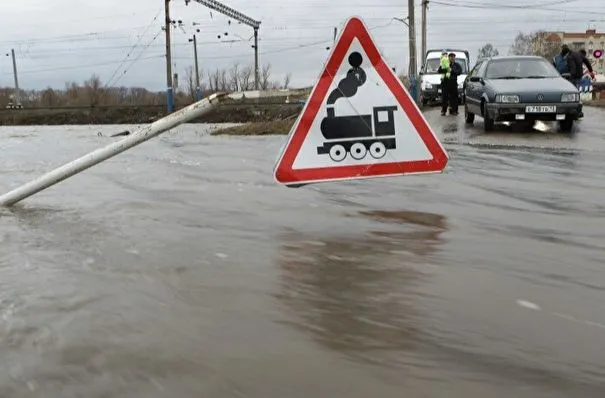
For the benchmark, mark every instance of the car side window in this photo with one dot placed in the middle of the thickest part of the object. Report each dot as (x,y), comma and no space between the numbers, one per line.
(476,68)
(482,68)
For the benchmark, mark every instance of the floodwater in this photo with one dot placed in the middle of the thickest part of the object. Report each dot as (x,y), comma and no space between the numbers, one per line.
(180,269)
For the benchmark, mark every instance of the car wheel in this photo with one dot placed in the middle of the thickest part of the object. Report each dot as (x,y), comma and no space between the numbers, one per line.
(566,125)
(469,117)
(424,101)
(488,123)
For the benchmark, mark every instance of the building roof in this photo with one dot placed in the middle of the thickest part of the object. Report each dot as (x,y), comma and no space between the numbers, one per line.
(556,36)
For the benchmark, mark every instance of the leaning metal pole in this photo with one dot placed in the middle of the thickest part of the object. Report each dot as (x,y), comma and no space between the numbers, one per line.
(156,128)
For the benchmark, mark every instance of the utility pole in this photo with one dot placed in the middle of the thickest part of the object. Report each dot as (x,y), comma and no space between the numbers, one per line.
(413,75)
(169,91)
(231,13)
(17,93)
(425,6)
(256,74)
(198,87)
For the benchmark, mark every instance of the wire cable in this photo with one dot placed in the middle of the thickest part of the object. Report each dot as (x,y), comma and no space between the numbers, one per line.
(134,47)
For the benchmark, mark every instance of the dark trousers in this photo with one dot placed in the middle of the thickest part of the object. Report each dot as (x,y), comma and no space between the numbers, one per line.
(445,95)
(449,96)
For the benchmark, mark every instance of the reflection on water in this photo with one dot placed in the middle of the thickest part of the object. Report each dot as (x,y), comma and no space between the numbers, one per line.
(355,293)
(451,127)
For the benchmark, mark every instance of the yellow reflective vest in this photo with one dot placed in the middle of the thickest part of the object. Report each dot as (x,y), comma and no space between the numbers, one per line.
(444,63)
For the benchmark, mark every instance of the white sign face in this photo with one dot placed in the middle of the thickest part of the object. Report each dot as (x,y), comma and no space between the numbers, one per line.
(370,97)
(359,122)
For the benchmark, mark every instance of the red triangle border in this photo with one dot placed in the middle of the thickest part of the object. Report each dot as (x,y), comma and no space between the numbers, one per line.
(285,174)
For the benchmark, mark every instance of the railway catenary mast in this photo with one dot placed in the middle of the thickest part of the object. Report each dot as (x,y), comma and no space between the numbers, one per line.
(230,12)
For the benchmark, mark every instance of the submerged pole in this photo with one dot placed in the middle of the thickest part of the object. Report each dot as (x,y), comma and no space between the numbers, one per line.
(72,168)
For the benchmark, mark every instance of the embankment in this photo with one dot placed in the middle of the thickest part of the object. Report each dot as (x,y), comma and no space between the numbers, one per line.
(273,127)
(227,113)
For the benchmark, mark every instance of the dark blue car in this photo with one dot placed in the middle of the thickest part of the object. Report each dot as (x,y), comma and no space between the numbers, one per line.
(519,89)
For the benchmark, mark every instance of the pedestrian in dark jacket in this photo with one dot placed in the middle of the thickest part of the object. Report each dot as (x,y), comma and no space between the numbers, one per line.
(575,60)
(586,62)
(574,64)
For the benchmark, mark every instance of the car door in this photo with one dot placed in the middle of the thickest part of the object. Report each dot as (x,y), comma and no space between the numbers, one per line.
(471,89)
(479,87)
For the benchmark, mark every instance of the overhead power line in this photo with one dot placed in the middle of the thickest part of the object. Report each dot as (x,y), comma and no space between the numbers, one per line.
(134,47)
(134,61)
(300,46)
(99,34)
(82,66)
(537,7)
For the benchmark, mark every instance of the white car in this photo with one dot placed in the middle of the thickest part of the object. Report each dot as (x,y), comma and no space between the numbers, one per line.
(430,79)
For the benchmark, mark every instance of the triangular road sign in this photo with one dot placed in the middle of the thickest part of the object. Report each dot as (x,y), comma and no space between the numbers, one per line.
(359,121)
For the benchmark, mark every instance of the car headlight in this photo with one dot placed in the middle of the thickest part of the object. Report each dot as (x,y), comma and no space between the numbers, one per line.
(570,97)
(427,86)
(507,98)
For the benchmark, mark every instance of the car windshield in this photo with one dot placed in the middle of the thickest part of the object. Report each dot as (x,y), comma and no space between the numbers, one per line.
(432,66)
(520,69)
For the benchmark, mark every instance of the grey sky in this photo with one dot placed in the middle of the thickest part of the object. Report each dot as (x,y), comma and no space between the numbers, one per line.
(68,40)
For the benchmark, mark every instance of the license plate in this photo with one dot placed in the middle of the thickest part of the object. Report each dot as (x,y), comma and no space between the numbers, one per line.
(541,109)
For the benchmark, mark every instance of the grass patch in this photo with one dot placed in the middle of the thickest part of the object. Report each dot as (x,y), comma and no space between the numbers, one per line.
(275,127)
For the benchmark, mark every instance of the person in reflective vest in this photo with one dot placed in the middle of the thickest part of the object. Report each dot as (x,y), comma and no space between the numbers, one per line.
(451,86)
(450,71)
(445,71)
(444,65)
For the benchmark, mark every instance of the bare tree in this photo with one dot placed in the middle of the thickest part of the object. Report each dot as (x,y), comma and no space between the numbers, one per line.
(265,76)
(73,93)
(535,43)
(287,79)
(191,83)
(49,97)
(521,45)
(93,90)
(214,80)
(245,78)
(234,77)
(487,51)
(544,46)
(224,80)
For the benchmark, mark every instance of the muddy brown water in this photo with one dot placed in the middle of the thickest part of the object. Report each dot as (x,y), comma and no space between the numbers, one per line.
(180,269)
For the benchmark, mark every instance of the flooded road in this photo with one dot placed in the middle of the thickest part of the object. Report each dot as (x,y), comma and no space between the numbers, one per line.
(179,268)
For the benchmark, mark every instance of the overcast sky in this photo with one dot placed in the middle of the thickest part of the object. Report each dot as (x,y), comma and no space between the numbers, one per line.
(68,40)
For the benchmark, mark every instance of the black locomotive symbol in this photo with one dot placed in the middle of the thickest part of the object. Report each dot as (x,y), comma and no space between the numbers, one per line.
(357,134)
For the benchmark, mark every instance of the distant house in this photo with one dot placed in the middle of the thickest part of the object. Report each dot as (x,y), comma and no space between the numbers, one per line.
(589,40)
